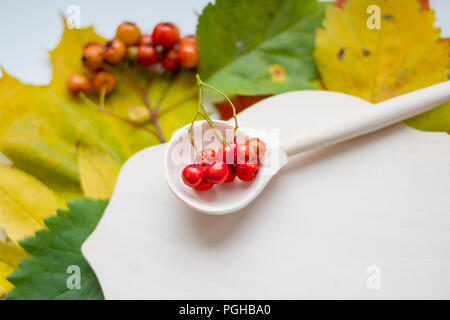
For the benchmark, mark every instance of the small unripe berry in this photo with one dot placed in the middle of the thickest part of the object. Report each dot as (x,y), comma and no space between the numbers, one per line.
(104,79)
(129,33)
(146,55)
(116,51)
(170,60)
(165,34)
(188,55)
(78,82)
(93,55)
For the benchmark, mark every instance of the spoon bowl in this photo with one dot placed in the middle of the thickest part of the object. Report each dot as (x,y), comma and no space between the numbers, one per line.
(222,198)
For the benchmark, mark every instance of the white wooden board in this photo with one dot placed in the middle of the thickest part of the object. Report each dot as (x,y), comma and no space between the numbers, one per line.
(380,203)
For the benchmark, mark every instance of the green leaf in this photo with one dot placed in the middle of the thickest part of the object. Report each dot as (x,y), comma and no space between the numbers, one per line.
(259,47)
(41,126)
(44,276)
(437,119)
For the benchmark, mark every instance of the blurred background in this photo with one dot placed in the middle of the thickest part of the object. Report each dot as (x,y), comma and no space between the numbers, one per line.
(29,28)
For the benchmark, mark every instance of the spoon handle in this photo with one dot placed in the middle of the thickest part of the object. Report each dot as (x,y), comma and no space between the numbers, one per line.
(381,115)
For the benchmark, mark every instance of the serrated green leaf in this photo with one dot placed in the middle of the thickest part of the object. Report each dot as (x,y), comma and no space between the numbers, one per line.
(259,47)
(44,276)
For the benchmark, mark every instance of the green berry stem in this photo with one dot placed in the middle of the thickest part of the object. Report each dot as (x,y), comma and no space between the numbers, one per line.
(200,82)
(191,136)
(102,97)
(204,114)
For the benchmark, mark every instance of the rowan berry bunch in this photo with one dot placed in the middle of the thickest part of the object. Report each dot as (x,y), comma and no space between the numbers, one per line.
(164,47)
(230,160)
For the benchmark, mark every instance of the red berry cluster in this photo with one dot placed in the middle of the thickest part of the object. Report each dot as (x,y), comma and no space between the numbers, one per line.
(163,46)
(230,160)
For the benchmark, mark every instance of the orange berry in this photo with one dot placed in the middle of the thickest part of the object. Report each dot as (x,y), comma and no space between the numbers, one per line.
(188,55)
(116,51)
(188,39)
(78,82)
(104,79)
(93,55)
(129,33)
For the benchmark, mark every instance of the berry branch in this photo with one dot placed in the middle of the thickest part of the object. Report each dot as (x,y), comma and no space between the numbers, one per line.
(164,47)
(153,116)
(101,109)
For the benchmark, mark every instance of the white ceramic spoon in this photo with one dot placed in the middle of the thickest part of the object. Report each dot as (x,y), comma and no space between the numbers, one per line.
(230,197)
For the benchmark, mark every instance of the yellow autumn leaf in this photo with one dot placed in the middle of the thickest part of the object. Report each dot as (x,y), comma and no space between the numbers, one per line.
(10,256)
(98,172)
(24,203)
(403,55)
(5,285)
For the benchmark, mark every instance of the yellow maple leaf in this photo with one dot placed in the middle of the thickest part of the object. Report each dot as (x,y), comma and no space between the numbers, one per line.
(403,55)
(98,172)
(10,256)
(24,203)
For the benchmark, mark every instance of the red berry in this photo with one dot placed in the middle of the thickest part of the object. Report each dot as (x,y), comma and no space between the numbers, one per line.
(231,173)
(209,155)
(228,153)
(146,55)
(147,39)
(165,34)
(188,55)
(217,172)
(247,171)
(245,153)
(170,60)
(204,185)
(192,175)
(259,146)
